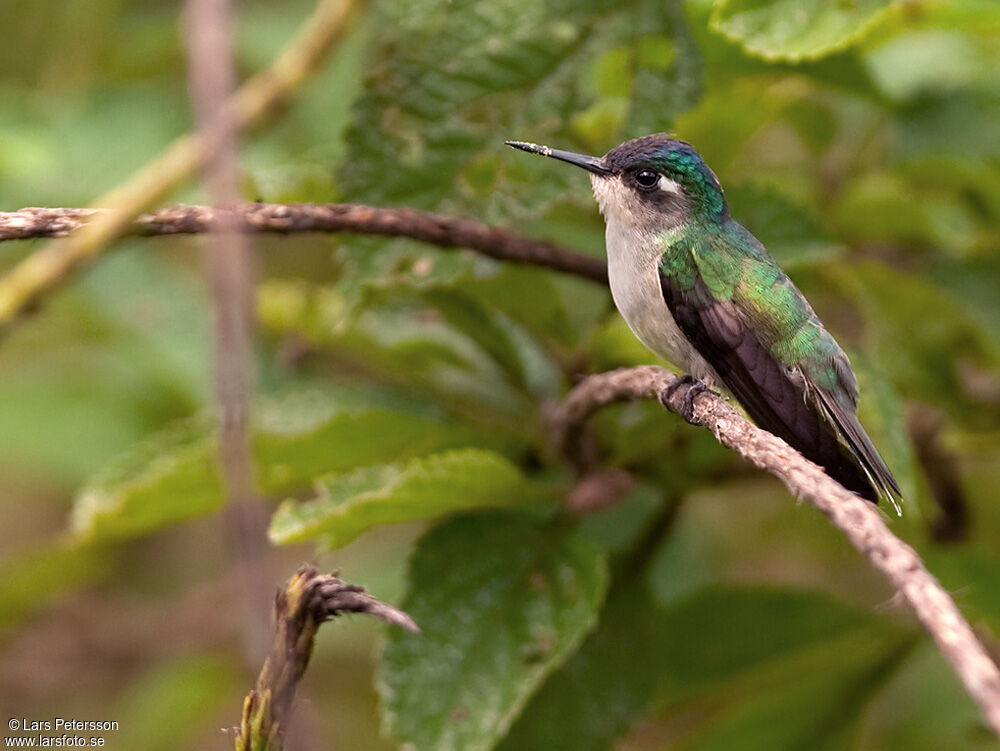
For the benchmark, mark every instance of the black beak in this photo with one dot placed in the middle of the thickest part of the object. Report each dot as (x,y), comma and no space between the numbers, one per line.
(590,163)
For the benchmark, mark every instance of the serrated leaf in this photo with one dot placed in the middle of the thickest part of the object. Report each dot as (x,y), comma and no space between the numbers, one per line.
(296,437)
(502,601)
(424,488)
(581,75)
(796,30)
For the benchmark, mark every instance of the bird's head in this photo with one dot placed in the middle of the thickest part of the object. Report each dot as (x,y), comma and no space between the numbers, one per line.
(654,182)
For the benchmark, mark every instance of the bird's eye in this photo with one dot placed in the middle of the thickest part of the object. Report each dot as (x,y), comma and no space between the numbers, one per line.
(647,179)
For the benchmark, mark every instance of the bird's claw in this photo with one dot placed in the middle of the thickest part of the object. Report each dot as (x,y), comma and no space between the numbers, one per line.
(694,387)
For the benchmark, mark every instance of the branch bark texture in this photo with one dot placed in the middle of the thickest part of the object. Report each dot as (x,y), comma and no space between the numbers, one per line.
(858,519)
(425,226)
(309,599)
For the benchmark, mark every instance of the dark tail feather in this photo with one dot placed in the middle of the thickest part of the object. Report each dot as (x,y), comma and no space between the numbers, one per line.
(867,466)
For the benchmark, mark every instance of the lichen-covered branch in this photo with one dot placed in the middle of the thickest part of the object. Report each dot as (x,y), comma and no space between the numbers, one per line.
(309,599)
(856,518)
(24,285)
(434,229)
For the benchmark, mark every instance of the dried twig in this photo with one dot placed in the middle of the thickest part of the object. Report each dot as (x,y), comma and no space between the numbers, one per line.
(24,285)
(309,599)
(434,229)
(856,518)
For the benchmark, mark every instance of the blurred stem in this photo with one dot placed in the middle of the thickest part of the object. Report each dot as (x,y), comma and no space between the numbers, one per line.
(23,286)
(309,599)
(228,269)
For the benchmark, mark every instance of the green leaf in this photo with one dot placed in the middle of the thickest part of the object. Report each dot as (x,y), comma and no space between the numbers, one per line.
(789,232)
(922,339)
(424,488)
(295,438)
(703,646)
(930,60)
(795,30)
(820,709)
(605,686)
(924,708)
(557,308)
(502,602)
(406,342)
(726,631)
(180,698)
(31,578)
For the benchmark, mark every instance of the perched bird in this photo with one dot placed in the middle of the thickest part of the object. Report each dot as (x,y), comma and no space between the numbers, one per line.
(700,290)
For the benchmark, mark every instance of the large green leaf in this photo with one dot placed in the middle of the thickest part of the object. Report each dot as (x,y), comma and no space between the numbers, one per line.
(796,30)
(295,438)
(924,708)
(578,74)
(502,601)
(423,488)
(514,69)
(605,686)
(705,646)
(821,709)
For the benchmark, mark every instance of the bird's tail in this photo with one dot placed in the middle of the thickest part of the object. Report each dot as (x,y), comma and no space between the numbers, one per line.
(859,468)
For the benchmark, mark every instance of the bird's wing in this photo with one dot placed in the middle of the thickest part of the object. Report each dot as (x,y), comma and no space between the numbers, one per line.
(746,318)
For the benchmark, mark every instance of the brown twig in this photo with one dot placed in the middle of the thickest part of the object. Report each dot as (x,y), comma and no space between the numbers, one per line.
(856,518)
(434,229)
(309,599)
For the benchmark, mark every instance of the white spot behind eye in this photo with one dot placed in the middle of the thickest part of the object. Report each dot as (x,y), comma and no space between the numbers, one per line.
(669,186)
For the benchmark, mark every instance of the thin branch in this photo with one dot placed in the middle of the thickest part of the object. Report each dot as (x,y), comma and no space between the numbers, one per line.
(856,518)
(228,270)
(25,284)
(434,229)
(309,599)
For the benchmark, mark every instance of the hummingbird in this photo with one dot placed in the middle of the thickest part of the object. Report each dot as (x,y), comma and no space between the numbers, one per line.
(698,289)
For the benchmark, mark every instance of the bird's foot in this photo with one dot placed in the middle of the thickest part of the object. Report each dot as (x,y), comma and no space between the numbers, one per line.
(694,387)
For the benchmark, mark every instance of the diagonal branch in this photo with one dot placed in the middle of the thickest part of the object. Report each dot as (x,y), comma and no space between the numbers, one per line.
(859,520)
(434,229)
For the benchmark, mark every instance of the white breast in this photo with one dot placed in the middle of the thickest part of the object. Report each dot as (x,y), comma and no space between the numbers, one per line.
(633,270)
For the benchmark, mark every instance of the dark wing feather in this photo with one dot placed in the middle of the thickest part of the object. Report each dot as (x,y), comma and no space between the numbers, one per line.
(778,399)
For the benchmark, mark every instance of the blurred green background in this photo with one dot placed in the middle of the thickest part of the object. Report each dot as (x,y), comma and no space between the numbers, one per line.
(399,387)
